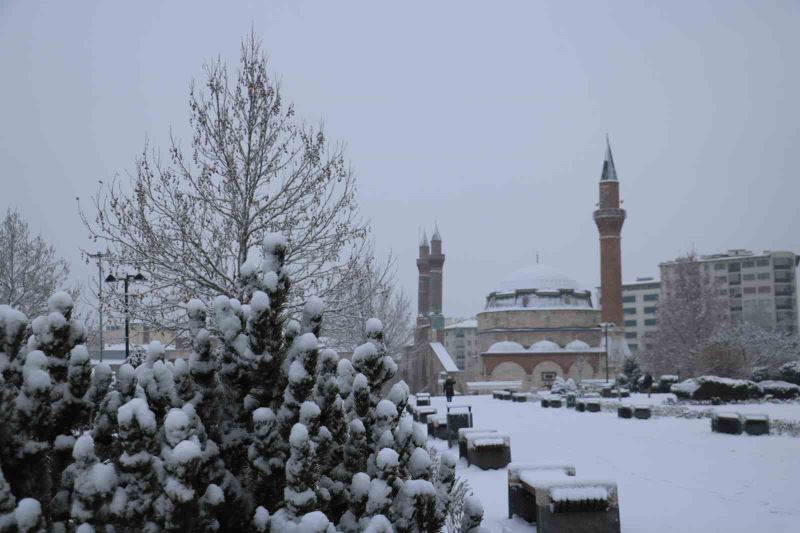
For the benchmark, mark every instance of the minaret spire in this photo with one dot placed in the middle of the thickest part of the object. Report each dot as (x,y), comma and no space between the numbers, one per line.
(609,170)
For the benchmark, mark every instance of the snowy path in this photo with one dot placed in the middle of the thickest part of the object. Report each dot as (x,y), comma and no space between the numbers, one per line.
(673,474)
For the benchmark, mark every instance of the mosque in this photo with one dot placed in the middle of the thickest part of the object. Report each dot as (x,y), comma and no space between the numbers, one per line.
(538,324)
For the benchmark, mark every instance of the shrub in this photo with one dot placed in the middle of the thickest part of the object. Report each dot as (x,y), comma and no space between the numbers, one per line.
(780,389)
(708,387)
(666,382)
(791,372)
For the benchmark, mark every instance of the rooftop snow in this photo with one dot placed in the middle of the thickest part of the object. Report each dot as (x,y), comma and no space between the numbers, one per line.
(444,357)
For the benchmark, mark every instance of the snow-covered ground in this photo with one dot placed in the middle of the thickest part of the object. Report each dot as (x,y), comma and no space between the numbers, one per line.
(673,474)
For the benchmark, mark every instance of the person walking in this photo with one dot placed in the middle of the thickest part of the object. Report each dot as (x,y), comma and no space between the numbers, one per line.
(647,382)
(449,388)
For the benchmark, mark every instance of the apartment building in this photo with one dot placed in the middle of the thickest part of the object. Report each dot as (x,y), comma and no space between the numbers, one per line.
(760,288)
(639,308)
(461,343)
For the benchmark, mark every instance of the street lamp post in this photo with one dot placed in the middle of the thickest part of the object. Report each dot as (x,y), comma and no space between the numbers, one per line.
(605,326)
(127,279)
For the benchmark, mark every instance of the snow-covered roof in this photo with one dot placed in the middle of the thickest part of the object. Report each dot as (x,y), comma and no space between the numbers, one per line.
(537,277)
(505,347)
(444,358)
(545,346)
(471,323)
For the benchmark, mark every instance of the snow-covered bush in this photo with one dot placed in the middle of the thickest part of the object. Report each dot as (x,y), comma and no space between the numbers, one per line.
(708,387)
(261,430)
(666,382)
(791,372)
(781,390)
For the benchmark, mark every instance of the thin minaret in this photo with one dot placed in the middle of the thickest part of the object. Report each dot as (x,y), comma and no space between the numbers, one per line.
(609,218)
(436,262)
(423,302)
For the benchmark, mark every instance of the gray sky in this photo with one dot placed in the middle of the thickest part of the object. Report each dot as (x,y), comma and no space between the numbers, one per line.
(488,117)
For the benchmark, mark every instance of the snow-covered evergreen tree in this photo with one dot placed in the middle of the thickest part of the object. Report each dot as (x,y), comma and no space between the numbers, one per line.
(268,433)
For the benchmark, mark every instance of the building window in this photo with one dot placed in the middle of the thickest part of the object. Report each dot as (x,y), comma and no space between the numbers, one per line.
(764,290)
(630,334)
(748,264)
(651,297)
(548,377)
(782,263)
(630,323)
(649,310)
(762,262)
(723,292)
(734,267)
(719,266)
(629,299)
(748,277)
(721,280)
(734,279)
(763,275)
(650,322)
(749,290)
(629,310)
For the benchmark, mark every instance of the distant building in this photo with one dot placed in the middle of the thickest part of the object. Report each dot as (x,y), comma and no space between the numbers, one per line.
(460,340)
(538,325)
(640,307)
(760,288)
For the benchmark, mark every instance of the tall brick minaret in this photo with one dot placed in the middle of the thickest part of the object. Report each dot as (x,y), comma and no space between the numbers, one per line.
(436,262)
(423,301)
(609,218)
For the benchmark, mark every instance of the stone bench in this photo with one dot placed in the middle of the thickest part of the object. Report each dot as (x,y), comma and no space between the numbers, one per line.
(458,417)
(593,406)
(580,406)
(437,426)
(625,411)
(756,424)
(522,496)
(521,397)
(488,452)
(642,412)
(421,414)
(423,398)
(545,402)
(504,395)
(730,423)
(555,400)
(462,438)
(572,505)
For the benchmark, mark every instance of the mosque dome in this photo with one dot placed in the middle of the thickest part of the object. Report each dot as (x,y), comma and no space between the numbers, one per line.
(538,287)
(537,277)
(545,346)
(577,346)
(506,347)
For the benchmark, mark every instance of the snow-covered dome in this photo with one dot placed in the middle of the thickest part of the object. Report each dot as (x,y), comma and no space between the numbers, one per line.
(505,347)
(577,346)
(537,277)
(545,346)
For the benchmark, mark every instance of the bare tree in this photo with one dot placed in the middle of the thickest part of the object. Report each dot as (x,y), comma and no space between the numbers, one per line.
(190,222)
(753,350)
(375,296)
(29,269)
(691,312)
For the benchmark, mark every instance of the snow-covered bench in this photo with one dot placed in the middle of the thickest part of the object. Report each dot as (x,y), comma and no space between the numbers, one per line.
(522,397)
(488,451)
(625,411)
(437,426)
(580,405)
(423,398)
(593,406)
(756,424)
(502,394)
(642,412)
(726,422)
(462,438)
(571,504)
(522,496)
(421,414)
(458,417)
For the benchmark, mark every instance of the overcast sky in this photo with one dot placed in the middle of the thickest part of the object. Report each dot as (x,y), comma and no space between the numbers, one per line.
(488,117)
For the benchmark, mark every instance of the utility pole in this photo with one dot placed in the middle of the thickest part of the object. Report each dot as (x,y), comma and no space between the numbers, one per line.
(99,256)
